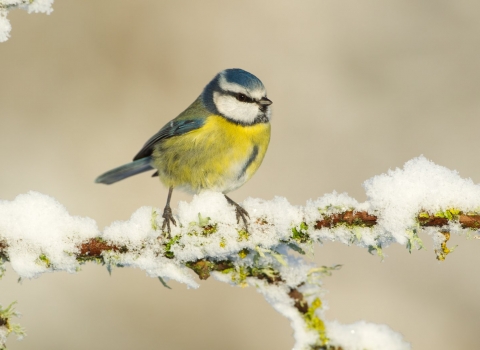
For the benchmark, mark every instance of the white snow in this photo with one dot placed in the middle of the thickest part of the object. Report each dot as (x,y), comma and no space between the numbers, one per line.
(400,195)
(363,335)
(5,26)
(41,236)
(35,225)
(277,296)
(134,232)
(40,6)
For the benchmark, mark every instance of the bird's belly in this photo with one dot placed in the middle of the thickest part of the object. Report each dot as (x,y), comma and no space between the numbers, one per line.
(219,156)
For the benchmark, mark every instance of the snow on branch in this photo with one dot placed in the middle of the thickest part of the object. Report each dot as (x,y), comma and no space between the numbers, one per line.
(38,235)
(44,6)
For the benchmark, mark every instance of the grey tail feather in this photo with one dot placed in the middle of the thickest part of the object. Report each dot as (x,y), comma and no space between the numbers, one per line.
(122,172)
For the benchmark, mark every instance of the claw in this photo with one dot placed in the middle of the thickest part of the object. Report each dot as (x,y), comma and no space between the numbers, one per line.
(167,218)
(167,214)
(240,212)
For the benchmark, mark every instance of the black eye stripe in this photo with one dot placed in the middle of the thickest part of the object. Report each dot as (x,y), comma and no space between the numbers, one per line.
(239,96)
(243,98)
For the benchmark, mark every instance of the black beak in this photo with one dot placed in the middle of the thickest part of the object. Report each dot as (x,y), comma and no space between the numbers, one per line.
(265,102)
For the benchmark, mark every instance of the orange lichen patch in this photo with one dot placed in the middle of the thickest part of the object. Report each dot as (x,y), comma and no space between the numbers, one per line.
(359,218)
(466,220)
(471,221)
(95,247)
(444,250)
(362,218)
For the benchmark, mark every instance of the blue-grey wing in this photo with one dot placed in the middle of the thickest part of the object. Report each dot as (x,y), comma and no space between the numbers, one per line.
(173,128)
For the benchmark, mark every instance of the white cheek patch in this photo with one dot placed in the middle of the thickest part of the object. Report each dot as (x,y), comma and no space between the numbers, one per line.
(231,108)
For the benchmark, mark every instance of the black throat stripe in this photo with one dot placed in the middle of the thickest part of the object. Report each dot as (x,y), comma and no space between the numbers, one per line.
(250,160)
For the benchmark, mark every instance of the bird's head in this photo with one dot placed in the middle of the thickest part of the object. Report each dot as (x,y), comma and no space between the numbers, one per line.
(239,96)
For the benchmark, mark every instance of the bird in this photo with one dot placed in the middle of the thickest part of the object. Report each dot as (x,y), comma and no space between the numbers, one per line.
(216,144)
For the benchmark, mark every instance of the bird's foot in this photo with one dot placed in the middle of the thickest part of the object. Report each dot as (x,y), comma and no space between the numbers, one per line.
(243,214)
(240,212)
(167,219)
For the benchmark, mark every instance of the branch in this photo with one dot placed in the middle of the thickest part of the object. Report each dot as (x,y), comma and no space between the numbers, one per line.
(94,248)
(364,219)
(37,235)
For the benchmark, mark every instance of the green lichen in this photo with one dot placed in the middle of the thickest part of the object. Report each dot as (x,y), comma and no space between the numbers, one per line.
(377,249)
(325,270)
(262,251)
(96,259)
(299,233)
(229,270)
(357,234)
(168,246)
(314,322)
(243,235)
(414,241)
(316,275)
(5,317)
(153,220)
(424,215)
(450,214)
(43,260)
(111,260)
(354,230)
(267,271)
(239,274)
(243,253)
(204,223)
(357,222)
(279,257)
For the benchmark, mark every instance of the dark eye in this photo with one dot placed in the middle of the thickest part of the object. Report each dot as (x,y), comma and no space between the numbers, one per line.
(241,97)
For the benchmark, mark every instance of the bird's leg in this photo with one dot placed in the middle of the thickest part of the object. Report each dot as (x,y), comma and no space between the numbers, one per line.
(239,211)
(167,213)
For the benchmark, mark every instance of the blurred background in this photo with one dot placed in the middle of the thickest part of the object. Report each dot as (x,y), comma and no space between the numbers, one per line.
(358,88)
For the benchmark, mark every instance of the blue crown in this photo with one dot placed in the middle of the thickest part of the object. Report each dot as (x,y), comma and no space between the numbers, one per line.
(243,78)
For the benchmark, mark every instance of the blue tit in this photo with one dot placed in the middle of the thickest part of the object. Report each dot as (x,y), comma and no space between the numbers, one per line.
(216,144)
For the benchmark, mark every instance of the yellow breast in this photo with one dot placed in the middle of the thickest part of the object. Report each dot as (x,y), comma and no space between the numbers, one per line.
(219,156)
